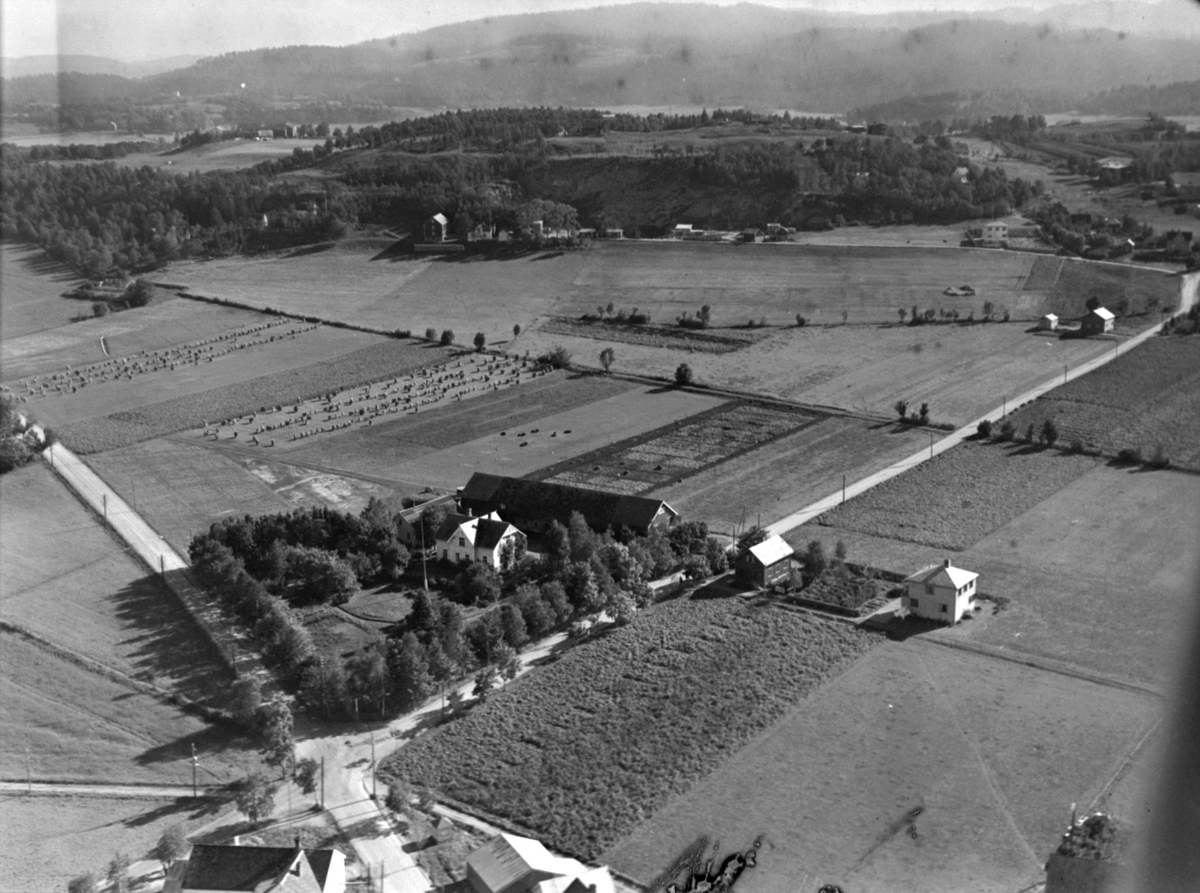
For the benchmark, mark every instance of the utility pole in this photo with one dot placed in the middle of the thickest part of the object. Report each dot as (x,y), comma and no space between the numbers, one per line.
(843,489)
(28,774)
(195,793)
(322,781)
(104,500)
(1064,373)
(930,444)
(424,570)
(374,792)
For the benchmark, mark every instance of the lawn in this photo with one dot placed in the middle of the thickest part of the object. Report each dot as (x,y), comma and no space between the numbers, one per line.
(119,414)
(1097,572)
(961,370)
(31,288)
(920,768)
(589,746)
(514,431)
(68,580)
(1139,289)
(961,495)
(51,840)
(1144,399)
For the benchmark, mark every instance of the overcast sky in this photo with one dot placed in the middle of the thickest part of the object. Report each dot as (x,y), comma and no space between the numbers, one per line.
(145,29)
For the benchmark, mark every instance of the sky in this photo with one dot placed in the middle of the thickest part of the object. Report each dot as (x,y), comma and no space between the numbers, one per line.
(134,30)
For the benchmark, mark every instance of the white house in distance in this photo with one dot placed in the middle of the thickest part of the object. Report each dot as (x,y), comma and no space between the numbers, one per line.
(1097,322)
(940,592)
(511,864)
(466,538)
(1048,323)
(995,234)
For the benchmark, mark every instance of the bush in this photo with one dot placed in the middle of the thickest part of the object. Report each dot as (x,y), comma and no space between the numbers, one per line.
(1007,432)
(901,407)
(984,429)
(1049,433)
(558,358)
(1130,456)
(801,321)
(1160,459)
(447,337)
(480,341)
(431,334)
(683,375)
(1076,446)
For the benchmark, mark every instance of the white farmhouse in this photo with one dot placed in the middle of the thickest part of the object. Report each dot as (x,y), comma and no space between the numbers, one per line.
(995,234)
(940,592)
(463,538)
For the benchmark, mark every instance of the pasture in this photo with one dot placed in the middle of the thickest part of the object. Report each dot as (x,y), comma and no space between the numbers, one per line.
(1143,400)
(226,155)
(31,288)
(608,733)
(920,768)
(961,370)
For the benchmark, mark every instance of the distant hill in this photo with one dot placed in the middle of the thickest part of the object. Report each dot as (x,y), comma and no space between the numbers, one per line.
(1176,18)
(24,66)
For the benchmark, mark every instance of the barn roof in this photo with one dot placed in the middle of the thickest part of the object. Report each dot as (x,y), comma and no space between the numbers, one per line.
(1052,316)
(1102,313)
(770,551)
(518,498)
(944,574)
(256,869)
(440,218)
(507,858)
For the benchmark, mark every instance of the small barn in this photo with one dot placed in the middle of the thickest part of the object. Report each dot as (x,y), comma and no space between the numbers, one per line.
(1097,322)
(940,592)
(1048,323)
(766,564)
(511,864)
(437,228)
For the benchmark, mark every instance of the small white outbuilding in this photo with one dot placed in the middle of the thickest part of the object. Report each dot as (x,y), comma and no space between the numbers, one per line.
(1048,323)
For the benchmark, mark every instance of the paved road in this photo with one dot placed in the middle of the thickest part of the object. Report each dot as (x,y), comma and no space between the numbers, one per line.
(145,792)
(1189,288)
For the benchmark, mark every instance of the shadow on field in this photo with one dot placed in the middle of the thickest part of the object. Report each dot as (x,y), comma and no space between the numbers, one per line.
(183,808)
(165,645)
(43,264)
(213,741)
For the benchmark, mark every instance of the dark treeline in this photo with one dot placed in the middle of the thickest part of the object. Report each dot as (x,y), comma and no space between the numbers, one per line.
(271,571)
(89,151)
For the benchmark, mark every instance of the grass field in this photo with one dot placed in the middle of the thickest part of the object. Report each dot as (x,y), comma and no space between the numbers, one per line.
(990,752)
(281,373)
(960,496)
(587,747)
(1097,571)
(961,371)
(1144,290)
(1142,400)
(31,286)
(51,840)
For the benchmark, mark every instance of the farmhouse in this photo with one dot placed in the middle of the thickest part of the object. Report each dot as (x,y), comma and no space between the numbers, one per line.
(1097,322)
(486,539)
(995,234)
(682,230)
(766,564)
(752,235)
(940,592)
(531,506)
(511,864)
(436,228)
(961,174)
(1048,323)
(1115,170)
(258,869)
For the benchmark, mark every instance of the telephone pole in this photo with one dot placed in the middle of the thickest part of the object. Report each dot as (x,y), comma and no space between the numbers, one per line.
(195,762)
(374,792)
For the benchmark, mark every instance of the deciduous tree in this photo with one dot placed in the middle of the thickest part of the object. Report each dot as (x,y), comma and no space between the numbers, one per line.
(255,796)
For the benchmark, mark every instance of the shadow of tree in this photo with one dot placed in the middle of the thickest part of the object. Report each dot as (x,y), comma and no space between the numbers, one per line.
(214,741)
(183,808)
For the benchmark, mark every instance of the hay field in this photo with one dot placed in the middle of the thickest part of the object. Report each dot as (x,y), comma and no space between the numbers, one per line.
(181,488)
(161,325)
(1097,571)
(31,288)
(1144,399)
(992,754)
(226,155)
(961,371)
(522,431)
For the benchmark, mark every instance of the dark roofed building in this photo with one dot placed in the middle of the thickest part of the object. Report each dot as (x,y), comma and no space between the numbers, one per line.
(259,869)
(533,505)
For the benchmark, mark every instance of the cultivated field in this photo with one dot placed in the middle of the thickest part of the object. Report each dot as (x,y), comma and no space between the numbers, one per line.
(1097,570)
(1142,400)
(920,768)
(615,728)
(961,370)
(32,285)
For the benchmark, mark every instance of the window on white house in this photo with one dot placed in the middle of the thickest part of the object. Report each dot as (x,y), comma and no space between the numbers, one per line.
(943,607)
(929,589)
(914,602)
(462,541)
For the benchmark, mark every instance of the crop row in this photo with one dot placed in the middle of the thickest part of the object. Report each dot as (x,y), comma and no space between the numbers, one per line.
(584,749)
(372,363)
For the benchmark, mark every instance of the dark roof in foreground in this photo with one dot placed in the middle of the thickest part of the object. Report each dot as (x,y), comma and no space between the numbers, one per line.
(248,868)
(518,498)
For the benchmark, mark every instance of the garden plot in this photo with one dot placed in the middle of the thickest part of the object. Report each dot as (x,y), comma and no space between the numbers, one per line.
(920,769)
(682,450)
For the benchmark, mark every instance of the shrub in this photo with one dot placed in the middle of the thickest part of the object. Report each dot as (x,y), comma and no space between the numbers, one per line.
(924,413)
(1049,432)
(480,341)
(558,357)
(1007,432)
(1029,433)
(683,375)
(984,429)
(1130,456)
(1160,459)
(1076,446)
(901,407)
(801,321)
(431,334)
(447,337)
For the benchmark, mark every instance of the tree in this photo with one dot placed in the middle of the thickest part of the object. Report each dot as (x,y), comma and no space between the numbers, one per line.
(606,358)
(516,634)
(1092,303)
(485,681)
(839,550)
(409,669)
(399,794)
(85,883)
(924,415)
(307,774)
(118,873)
(447,337)
(454,699)
(100,308)
(516,330)
(480,341)
(984,429)
(431,334)
(478,584)
(903,313)
(367,677)
(172,847)
(901,407)
(1007,431)
(509,663)
(988,309)
(557,357)
(1049,432)
(683,375)
(749,539)
(275,725)
(245,699)
(814,560)
(255,796)
(140,293)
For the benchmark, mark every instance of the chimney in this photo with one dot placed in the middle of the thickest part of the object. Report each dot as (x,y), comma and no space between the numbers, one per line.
(946,563)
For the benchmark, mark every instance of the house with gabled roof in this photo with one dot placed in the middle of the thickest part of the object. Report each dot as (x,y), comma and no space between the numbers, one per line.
(258,869)
(511,864)
(467,538)
(532,506)
(1097,321)
(437,228)
(765,564)
(940,592)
